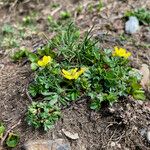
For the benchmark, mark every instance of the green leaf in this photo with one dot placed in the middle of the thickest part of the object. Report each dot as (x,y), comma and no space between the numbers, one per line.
(53,101)
(2,130)
(12,140)
(50,19)
(96,100)
(33,90)
(7,29)
(95,105)
(27,20)
(136,86)
(19,54)
(111,97)
(65,15)
(34,66)
(139,95)
(72,96)
(46,93)
(33,57)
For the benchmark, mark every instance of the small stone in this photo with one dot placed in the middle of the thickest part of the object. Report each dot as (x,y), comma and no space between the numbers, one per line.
(140,102)
(119,146)
(113,144)
(132,25)
(143,132)
(111,110)
(58,144)
(148,136)
(70,135)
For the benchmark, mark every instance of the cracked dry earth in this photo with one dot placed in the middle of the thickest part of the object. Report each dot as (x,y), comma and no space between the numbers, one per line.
(115,128)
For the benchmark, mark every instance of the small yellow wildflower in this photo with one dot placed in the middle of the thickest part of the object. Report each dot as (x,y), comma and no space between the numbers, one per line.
(44,61)
(73,73)
(121,52)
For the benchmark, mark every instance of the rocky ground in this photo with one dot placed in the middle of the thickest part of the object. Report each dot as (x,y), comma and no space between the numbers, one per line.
(125,125)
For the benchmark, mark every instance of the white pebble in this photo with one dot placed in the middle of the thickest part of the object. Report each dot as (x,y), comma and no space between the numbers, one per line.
(148,136)
(132,25)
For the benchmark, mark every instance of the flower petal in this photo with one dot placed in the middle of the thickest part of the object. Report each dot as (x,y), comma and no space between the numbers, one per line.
(40,63)
(65,72)
(46,59)
(121,52)
(73,71)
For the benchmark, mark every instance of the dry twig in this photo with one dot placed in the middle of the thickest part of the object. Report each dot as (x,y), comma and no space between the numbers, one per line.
(13,5)
(28,95)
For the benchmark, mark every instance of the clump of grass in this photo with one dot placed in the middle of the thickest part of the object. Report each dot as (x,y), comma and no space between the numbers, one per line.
(27,20)
(90,8)
(30,19)
(7,29)
(65,15)
(55,5)
(12,35)
(99,6)
(79,9)
(142,14)
(9,39)
(9,42)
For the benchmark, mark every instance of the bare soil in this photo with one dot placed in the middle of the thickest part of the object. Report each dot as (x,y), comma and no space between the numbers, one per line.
(113,128)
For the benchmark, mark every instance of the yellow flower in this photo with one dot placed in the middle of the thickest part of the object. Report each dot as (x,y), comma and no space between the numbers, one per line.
(44,61)
(73,73)
(121,52)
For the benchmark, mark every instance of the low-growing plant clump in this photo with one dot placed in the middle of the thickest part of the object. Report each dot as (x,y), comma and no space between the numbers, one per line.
(71,67)
(42,115)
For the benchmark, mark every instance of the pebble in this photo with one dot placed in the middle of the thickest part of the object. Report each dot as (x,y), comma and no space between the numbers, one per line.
(113,144)
(148,136)
(143,132)
(57,144)
(132,25)
(73,136)
(140,102)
